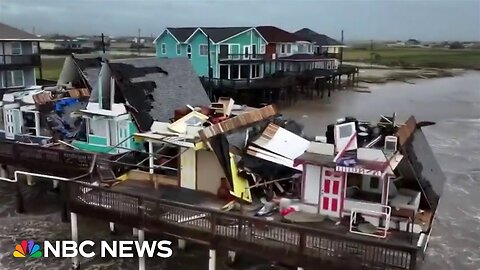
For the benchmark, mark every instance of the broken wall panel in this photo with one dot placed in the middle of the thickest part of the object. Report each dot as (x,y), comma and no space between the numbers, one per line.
(239,121)
(406,130)
(282,142)
(209,172)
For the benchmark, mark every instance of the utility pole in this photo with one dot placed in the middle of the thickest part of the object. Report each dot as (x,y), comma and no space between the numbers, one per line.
(341,50)
(138,40)
(103,43)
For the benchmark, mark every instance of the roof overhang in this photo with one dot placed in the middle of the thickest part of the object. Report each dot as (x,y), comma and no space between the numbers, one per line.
(161,33)
(194,32)
(242,32)
(20,39)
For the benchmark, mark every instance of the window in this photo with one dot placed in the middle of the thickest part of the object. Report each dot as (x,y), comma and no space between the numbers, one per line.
(233,72)
(189,51)
(374,183)
(224,72)
(15,78)
(16,48)
(262,48)
(246,51)
(345,131)
(179,49)
(244,71)
(34,47)
(254,71)
(289,48)
(254,50)
(203,49)
(164,48)
(282,50)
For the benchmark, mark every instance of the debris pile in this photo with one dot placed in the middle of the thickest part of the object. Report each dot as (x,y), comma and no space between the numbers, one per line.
(256,148)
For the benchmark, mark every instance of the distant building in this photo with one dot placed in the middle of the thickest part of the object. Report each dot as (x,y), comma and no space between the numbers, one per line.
(412,42)
(239,53)
(19,57)
(62,43)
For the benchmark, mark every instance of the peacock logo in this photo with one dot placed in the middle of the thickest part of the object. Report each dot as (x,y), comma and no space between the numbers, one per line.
(27,249)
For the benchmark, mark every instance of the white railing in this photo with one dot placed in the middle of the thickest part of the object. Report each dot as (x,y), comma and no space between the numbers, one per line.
(384,214)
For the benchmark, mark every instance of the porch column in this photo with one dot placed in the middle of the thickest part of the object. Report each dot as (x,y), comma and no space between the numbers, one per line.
(141,260)
(231,256)
(30,180)
(37,123)
(3,171)
(212,259)
(135,232)
(74,225)
(299,268)
(113,230)
(182,244)
(150,157)
(151,163)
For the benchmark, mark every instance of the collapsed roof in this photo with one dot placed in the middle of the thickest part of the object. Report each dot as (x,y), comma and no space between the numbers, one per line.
(151,87)
(80,70)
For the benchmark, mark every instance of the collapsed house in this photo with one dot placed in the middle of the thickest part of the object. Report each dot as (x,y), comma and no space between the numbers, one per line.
(36,114)
(131,95)
(377,180)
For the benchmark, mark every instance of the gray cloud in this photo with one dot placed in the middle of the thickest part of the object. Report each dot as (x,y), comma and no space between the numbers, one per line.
(374,19)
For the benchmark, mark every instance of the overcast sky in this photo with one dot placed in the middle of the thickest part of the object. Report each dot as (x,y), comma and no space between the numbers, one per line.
(361,20)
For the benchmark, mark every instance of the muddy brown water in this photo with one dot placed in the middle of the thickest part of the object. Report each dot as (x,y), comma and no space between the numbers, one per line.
(453,103)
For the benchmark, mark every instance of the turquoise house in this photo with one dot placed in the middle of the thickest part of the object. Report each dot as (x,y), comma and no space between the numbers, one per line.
(235,52)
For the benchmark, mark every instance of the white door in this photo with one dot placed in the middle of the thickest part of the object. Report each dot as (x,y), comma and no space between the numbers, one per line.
(331,192)
(123,135)
(12,123)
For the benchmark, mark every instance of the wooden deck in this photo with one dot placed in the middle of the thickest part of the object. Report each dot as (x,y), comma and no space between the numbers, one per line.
(195,216)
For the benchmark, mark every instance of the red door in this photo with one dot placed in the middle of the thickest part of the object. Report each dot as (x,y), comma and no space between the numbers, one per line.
(331,192)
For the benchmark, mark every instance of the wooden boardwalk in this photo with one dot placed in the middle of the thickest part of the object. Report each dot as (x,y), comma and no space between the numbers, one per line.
(286,243)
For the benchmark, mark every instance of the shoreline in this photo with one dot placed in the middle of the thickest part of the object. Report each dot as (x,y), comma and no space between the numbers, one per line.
(381,75)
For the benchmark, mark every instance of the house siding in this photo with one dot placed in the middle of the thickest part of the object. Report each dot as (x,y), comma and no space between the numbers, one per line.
(171,45)
(200,62)
(248,38)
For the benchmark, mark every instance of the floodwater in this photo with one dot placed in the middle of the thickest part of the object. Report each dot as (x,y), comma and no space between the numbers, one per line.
(453,103)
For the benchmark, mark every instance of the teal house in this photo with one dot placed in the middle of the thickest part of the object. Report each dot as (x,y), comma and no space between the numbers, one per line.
(235,52)
(239,53)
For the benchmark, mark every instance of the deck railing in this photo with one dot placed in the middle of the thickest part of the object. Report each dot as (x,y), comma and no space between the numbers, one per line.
(240,57)
(8,61)
(42,158)
(290,243)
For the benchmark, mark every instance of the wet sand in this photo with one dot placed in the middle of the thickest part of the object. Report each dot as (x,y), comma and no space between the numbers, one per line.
(454,103)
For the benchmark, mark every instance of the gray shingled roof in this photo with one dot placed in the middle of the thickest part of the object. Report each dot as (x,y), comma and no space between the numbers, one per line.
(216,33)
(319,39)
(182,33)
(8,32)
(175,84)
